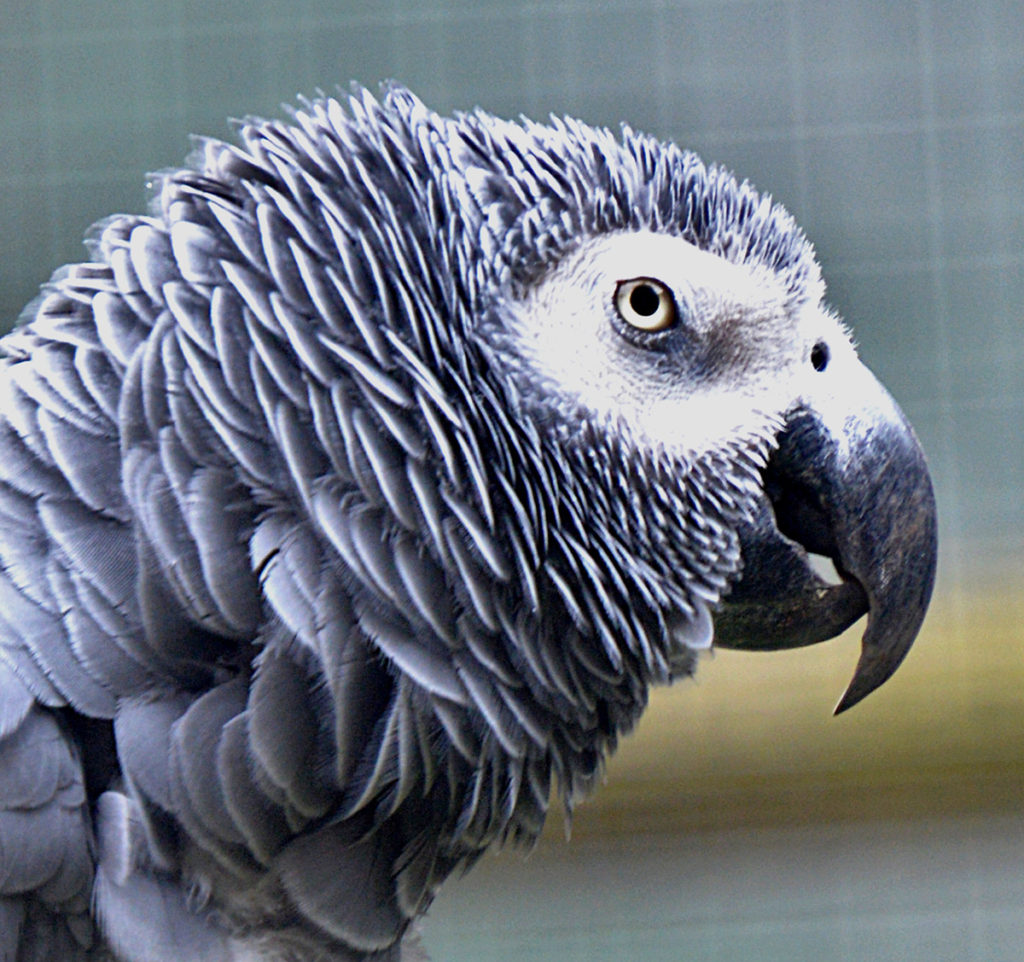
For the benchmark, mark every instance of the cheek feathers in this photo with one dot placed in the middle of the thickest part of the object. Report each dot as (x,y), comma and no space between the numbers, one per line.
(732,315)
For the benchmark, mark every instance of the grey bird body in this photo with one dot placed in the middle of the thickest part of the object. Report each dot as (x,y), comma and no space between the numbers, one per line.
(352,501)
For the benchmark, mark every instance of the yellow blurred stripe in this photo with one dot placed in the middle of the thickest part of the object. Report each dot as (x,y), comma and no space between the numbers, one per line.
(753,742)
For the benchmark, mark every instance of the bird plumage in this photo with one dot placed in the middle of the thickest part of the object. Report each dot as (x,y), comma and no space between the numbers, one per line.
(315,576)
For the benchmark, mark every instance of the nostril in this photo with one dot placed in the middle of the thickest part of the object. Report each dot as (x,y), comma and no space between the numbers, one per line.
(820,355)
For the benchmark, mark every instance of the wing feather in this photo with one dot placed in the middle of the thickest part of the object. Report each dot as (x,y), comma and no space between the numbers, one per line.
(93,543)
(143,728)
(85,460)
(345,885)
(358,683)
(284,729)
(43,636)
(194,743)
(44,836)
(260,821)
(144,915)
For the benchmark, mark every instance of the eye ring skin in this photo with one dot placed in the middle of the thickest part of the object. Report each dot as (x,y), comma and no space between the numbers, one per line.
(645,304)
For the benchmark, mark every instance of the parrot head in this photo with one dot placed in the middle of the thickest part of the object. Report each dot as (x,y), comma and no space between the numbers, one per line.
(665,329)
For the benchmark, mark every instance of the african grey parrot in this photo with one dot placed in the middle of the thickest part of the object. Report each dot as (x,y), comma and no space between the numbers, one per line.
(357,496)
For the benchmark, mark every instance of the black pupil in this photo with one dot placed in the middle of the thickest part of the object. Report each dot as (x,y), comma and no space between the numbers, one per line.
(645,300)
(819,356)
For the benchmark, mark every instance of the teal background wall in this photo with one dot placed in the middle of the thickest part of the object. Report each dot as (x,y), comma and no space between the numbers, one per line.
(895,134)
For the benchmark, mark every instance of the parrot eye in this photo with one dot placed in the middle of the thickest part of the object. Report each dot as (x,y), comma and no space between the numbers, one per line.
(645,303)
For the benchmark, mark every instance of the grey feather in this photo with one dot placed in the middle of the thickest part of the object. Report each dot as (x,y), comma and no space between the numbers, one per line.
(151,260)
(117,327)
(194,743)
(93,543)
(358,687)
(427,663)
(84,461)
(216,509)
(344,884)
(387,465)
(142,913)
(64,375)
(197,252)
(35,626)
(45,864)
(93,627)
(143,728)
(260,821)
(213,388)
(12,917)
(15,704)
(423,581)
(254,292)
(27,787)
(287,752)
(18,517)
(42,393)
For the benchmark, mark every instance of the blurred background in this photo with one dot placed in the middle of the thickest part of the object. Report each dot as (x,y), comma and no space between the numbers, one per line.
(741,820)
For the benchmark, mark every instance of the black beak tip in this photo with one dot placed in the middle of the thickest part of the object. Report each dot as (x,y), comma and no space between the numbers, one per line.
(874,668)
(897,612)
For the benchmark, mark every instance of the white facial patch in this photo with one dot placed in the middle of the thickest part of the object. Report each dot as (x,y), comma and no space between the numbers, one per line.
(733,363)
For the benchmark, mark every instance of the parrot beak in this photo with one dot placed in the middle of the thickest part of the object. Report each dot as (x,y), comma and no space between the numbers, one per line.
(850,483)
